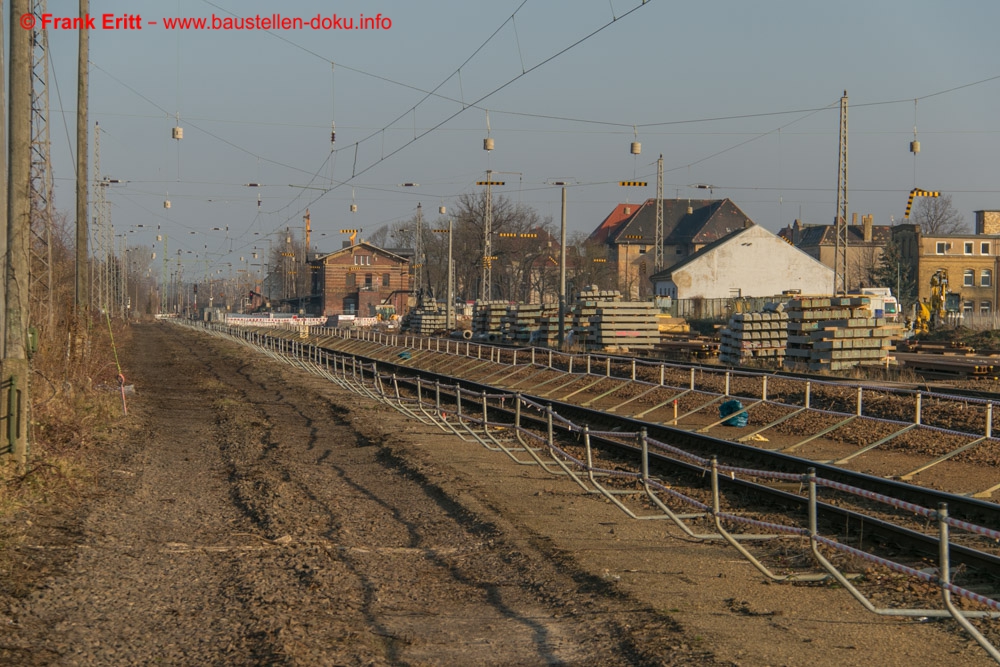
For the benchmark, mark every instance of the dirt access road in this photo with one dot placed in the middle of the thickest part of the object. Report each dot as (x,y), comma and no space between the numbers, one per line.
(257,515)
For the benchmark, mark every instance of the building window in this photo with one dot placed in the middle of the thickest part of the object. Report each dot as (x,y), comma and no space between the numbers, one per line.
(969,278)
(985,307)
(968,248)
(351,281)
(368,280)
(385,280)
(986,278)
(984,248)
(941,247)
(362,260)
(967,307)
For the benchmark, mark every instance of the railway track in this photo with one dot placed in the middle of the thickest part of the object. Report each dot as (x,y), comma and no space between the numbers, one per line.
(735,454)
(402,379)
(402,367)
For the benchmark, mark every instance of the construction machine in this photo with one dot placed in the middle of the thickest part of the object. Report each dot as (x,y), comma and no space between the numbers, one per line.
(942,305)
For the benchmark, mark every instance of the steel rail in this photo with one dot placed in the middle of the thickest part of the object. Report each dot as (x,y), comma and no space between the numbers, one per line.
(968,509)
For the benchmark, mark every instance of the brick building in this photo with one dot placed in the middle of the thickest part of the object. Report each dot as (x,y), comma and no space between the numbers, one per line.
(971,260)
(865,245)
(357,278)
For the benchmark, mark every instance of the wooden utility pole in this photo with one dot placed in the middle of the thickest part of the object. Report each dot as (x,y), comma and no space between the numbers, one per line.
(82,82)
(15,359)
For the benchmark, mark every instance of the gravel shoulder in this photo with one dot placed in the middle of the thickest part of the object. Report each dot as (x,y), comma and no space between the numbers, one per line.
(258,515)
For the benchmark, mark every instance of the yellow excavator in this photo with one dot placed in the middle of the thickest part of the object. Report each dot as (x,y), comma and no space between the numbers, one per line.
(934,311)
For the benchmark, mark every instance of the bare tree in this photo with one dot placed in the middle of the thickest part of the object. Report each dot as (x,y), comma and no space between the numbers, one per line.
(380,237)
(587,264)
(514,255)
(938,216)
(863,263)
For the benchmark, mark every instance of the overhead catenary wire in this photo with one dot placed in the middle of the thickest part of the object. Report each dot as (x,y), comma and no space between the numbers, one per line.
(364,169)
(441,123)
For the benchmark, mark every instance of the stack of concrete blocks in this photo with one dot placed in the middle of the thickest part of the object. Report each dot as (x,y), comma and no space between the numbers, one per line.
(426,322)
(625,326)
(587,301)
(602,321)
(487,317)
(524,321)
(548,328)
(755,338)
(834,334)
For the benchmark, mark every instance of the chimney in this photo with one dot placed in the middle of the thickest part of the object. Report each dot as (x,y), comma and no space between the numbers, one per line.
(866,220)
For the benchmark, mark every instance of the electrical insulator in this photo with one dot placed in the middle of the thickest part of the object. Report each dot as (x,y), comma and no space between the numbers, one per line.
(354,208)
(178,133)
(166,203)
(488,144)
(636,148)
(914,147)
(441,210)
(333,132)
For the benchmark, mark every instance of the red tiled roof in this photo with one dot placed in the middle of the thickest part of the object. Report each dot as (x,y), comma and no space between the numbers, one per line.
(615,219)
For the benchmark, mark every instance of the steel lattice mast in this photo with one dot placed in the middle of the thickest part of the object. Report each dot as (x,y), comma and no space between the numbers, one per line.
(41,174)
(658,239)
(418,251)
(485,291)
(840,248)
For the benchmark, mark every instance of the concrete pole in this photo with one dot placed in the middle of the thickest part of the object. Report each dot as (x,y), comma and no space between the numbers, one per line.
(449,319)
(82,222)
(16,371)
(3,182)
(562,274)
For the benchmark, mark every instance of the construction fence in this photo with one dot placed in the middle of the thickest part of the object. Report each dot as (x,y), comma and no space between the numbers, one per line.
(711,309)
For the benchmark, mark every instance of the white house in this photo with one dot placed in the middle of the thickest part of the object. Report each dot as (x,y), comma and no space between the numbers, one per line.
(748,262)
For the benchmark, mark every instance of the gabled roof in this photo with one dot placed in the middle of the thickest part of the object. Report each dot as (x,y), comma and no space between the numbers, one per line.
(361,244)
(709,220)
(817,235)
(620,214)
(665,274)
(753,231)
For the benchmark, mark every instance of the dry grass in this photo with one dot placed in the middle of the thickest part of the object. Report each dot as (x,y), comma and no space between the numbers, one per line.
(75,404)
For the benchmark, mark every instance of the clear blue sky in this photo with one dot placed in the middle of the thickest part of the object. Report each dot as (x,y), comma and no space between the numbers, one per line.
(256,107)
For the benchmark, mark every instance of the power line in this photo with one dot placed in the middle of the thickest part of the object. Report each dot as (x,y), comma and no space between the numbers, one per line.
(168,114)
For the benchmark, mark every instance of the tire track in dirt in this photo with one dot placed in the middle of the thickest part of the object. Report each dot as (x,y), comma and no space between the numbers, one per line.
(419,569)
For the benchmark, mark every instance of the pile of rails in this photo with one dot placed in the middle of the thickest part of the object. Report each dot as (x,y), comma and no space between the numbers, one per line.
(755,338)
(602,321)
(832,334)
